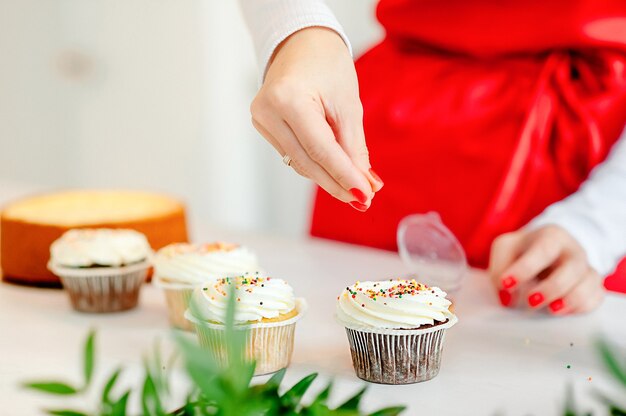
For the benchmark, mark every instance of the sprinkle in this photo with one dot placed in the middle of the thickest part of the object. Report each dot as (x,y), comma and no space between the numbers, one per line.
(589,378)
(238,299)
(260,303)
(571,344)
(569,366)
(205,288)
(362,305)
(353,296)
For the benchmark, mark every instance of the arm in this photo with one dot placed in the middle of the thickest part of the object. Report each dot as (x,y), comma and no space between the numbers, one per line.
(308,107)
(563,254)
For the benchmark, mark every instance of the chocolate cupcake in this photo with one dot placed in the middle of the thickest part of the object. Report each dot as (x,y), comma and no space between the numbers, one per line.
(102,270)
(395,329)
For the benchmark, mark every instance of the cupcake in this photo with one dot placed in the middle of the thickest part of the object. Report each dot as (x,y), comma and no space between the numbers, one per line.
(101,269)
(180,267)
(265,306)
(395,329)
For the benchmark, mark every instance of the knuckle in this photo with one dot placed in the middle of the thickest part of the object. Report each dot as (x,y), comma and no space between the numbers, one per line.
(503,240)
(280,93)
(317,152)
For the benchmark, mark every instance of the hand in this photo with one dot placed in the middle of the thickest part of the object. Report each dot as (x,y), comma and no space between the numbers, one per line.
(309,108)
(552,265)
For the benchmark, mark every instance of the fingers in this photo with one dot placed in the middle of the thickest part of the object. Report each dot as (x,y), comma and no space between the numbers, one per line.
(283,140)
(504,250)
(348,128)
(540,254)
(316,137)
(558,283)
(587,295)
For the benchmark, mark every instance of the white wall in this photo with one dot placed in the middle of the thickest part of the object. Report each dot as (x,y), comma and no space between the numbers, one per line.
(147,94)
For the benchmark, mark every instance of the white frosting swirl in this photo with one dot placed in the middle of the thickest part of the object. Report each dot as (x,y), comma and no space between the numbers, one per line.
(257,298)
(393,304)
(99,247)
(193,264)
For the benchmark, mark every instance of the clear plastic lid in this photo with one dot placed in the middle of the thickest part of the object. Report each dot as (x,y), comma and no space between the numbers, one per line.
(431,251)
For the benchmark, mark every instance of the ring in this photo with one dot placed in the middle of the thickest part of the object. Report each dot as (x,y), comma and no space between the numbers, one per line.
(287,160)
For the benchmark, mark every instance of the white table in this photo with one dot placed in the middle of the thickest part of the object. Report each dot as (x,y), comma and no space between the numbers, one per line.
(496,361)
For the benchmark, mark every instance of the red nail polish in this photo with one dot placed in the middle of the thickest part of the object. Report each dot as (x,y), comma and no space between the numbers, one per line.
(535,299)
(505,297)
(359,195)
(556,305)
(376,177)
(509,282)
(358,206)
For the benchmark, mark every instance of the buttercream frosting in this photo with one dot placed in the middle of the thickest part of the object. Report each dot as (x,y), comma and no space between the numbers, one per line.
(196,263)
(394,304)
(257,298)
(99,247)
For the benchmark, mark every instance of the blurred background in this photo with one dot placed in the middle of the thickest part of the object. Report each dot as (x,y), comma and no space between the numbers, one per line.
(147,94)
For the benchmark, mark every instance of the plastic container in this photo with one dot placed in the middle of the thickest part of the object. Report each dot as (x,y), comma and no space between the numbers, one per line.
(431,252)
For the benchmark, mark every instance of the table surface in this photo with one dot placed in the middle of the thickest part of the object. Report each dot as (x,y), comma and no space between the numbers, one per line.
(496,361)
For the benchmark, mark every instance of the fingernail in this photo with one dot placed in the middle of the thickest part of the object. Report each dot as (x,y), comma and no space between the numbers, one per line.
(376,177)
(505,297)
(535,299)
(358,206)
(509,282)
(556,305)
(359,195)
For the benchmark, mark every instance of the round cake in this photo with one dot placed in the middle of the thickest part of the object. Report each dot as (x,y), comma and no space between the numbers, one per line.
(29,226)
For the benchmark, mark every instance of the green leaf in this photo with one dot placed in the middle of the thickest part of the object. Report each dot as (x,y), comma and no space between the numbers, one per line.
(610,361)
(88,357)
(52,387)
(570,407)
(389,411)
(109,386)
(293,396)
(272,385)
(63,412)
(323,395)
(119,407)
(150,401)
(353,402)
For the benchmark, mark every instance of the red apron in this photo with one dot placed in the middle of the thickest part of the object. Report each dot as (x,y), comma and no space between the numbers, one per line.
(483,111)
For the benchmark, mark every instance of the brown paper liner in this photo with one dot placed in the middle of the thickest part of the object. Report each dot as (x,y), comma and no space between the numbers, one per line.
(396,359)
(101,293)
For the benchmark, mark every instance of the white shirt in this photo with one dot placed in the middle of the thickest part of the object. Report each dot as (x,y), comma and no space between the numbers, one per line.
(595,215)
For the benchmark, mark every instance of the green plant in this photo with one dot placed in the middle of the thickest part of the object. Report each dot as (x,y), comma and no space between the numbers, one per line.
(216,389)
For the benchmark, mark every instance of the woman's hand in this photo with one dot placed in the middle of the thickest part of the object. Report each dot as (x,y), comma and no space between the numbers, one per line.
(553,267)
(309,108)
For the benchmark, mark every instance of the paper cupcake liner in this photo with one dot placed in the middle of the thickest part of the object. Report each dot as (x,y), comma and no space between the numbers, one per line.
(397,356)
(270,344)
(177,302)
(103,289)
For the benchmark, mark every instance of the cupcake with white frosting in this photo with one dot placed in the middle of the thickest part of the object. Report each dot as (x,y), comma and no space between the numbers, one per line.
(180,267)
(395,329)
(265,306)
(101,269)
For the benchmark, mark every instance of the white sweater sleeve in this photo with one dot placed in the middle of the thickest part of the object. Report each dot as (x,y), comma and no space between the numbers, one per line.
(272,21)
(595,215)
